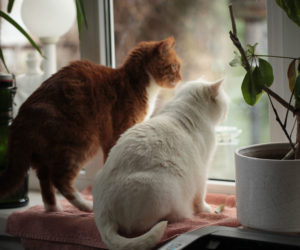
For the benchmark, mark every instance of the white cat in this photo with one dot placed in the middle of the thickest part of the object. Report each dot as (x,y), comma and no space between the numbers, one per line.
(157,171)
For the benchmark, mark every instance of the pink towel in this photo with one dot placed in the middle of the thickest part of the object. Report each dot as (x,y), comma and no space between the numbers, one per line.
(76,230)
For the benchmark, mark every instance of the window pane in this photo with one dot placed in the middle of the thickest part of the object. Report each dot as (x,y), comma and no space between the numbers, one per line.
(201,31)
(16,47)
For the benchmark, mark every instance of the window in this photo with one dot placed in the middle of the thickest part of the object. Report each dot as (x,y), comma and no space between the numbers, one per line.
(201,30)
(284,40)
(16,47)
(202,42)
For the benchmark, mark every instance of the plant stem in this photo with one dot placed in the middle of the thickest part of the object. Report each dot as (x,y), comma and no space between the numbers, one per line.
(246,65)
(291,154)
(297,152)
(281,124)
(280,100)
(232,20)
(287,110)
(238,45)
(292,130)
(236,41)
(283,57)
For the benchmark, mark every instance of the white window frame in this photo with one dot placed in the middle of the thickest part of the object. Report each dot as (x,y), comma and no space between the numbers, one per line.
(97,42)
(97,45)
(283,40)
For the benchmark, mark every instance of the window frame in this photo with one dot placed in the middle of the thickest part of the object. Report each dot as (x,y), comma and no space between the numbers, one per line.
(283,40)
(97,43)
(92,47)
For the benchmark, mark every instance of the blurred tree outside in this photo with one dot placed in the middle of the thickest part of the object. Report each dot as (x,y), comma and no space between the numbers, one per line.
(201,28)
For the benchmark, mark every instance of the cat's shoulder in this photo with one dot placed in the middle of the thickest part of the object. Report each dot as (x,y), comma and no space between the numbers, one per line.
(83,69)
(86,64)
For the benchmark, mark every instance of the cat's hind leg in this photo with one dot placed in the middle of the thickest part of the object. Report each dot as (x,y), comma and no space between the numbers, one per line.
(65,186)
(48,193)
(180,209)
(66,165)
(200,205)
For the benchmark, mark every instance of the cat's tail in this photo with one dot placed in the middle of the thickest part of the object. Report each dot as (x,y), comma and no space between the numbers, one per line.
(18,163)
(114,241)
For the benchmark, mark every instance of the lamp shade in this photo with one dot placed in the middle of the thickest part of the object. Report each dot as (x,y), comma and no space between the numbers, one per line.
(48,18)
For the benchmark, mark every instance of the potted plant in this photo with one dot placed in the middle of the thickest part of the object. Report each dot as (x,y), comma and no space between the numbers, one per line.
(268,175)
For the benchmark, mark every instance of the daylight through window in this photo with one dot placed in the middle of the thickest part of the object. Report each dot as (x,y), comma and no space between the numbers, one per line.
(201,31)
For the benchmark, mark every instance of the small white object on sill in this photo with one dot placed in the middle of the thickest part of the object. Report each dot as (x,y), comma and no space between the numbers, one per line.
(27,83)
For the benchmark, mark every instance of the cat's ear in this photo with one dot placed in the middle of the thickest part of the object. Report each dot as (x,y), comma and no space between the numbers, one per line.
(215,87)
(165,45)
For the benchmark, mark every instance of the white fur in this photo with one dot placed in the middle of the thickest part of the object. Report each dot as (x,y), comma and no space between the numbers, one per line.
(81,203)
(52,208)
(157,171)
(152,93)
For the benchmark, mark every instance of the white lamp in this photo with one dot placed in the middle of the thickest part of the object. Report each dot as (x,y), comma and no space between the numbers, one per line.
(48,19)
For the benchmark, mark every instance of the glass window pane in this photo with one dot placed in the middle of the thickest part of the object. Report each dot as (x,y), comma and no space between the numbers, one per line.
(16,47)
(202,41)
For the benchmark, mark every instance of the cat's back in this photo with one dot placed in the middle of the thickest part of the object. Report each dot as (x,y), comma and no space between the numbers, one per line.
(78,75)
(75,86)
(147,147)
(85,71)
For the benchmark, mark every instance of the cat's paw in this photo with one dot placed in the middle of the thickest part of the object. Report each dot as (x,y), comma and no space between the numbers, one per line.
(81,203)
(86,206)
(206,208)
(52,208)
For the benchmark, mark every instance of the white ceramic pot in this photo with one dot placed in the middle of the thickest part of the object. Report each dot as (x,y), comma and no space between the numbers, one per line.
(267,190)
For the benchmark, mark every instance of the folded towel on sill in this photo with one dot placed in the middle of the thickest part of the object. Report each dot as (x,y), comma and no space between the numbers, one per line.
(72,229)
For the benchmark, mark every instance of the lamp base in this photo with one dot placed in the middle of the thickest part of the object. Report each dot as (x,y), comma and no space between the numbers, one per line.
(49,45)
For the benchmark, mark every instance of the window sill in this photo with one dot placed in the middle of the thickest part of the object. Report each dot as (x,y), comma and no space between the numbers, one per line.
(221,187)
(34,199)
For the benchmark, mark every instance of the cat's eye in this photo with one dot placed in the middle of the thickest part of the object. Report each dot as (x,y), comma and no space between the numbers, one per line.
(174,66)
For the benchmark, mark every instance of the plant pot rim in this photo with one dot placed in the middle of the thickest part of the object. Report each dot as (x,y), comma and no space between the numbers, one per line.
(247,151)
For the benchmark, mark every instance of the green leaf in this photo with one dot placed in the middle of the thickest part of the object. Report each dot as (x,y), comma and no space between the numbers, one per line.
(251,48)
(258,80)
(19,28)
(250,54)
(10,5)
(291,8)
(297,92)
(250,93)
(259,77)
(236,61)
(291,74)
(81,16)
(3,60)
(266,71)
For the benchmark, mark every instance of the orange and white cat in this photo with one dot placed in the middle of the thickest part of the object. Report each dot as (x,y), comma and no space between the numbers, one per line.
(81,108)
(157,171)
